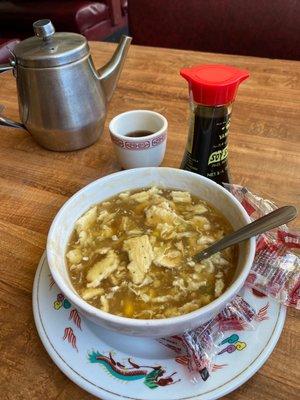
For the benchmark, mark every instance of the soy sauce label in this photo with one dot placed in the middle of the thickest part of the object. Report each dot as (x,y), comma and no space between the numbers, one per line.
(207,151)
(217,156)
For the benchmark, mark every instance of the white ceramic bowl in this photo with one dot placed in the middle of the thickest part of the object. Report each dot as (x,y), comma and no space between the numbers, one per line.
(111,185)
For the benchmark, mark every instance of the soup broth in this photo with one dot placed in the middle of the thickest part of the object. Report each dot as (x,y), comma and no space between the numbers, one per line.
(132,254)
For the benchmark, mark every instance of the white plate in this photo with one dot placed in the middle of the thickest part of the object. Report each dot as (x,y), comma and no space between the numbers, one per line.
(73,343)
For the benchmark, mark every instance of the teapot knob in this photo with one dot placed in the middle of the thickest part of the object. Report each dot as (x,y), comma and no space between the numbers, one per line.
(43,28)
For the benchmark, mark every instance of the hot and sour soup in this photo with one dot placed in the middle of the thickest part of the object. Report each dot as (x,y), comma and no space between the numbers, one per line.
(131,255)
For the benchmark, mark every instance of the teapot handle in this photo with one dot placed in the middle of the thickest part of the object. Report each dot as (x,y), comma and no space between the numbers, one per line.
(3,120)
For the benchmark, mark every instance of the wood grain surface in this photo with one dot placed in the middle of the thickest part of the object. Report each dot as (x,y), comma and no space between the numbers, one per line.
(264,152)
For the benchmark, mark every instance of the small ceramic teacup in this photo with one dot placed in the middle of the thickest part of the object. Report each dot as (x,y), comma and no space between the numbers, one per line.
(133,150)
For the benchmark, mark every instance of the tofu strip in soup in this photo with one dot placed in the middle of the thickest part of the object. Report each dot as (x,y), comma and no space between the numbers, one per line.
(131,255)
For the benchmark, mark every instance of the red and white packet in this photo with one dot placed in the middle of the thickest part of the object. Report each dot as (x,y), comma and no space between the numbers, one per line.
(276,268)
(275,272)
(197,348)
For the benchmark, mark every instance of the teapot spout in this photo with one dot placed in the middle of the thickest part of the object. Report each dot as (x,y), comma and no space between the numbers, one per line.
(110,72)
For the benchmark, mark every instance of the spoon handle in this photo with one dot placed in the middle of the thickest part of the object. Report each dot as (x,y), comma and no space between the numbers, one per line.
(275,218)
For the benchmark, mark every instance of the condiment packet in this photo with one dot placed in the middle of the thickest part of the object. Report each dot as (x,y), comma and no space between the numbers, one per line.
(275,272)
(276,268)
(197,348)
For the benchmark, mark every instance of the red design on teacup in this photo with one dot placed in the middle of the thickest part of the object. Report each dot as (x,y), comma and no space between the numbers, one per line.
(159,139)
(139,145)
(118,142)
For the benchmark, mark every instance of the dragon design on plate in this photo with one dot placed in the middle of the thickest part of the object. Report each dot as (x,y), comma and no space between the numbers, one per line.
(153,376)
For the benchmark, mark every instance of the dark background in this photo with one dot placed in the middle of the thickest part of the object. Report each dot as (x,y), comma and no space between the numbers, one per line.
(263,28)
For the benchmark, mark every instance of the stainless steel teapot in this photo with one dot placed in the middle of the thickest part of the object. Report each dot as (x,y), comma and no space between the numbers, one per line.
(62,97)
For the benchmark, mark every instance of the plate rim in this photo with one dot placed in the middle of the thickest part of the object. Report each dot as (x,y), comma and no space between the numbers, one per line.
(89,387)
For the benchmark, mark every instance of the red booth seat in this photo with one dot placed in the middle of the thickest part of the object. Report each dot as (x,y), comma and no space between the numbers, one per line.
(94,19)
(264,28)
(5,46)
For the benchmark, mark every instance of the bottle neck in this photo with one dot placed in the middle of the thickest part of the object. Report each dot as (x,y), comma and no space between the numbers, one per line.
(203,111)
(206,150)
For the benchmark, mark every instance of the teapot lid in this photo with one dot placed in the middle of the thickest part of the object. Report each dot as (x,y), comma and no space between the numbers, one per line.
(50,49)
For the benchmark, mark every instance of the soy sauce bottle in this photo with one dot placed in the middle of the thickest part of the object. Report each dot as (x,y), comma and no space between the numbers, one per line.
(212,91)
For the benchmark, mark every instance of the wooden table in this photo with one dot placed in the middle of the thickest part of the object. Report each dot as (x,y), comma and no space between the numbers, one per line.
(34,183)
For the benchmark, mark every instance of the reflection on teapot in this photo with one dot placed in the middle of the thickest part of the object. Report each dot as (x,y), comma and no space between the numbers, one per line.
(62,97)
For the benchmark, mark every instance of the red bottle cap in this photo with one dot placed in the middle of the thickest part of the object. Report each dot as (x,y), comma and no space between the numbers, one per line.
(214,84)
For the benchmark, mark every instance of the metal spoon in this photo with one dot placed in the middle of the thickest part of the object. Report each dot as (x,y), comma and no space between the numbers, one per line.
(275,218)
